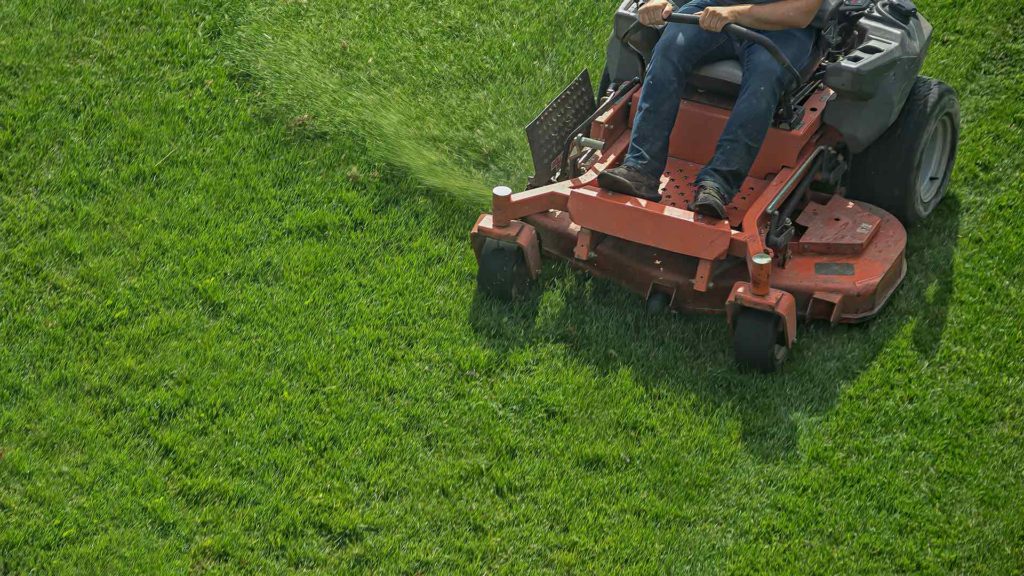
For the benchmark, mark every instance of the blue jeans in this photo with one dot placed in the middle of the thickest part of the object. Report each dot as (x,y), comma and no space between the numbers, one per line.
(685,47)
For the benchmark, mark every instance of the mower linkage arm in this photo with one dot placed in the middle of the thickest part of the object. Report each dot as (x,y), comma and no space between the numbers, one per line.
(620,92)
(741,33)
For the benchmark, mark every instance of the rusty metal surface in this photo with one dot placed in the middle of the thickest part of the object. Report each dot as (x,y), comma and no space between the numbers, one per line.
(699,127)
(648,246)
(879,271)
(677,187)
(839,227)
(650,223)
(702,282)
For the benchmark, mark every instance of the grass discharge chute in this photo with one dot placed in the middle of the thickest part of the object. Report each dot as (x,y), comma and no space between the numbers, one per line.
(437,91)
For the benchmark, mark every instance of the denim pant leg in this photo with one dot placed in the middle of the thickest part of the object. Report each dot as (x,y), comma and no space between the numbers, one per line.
(764,81)
(682,48)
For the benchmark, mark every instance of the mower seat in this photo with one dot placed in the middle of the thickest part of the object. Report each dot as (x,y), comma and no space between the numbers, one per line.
(724,77)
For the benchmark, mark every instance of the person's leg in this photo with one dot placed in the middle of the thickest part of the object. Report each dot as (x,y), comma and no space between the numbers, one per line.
(682,48)
(764,81)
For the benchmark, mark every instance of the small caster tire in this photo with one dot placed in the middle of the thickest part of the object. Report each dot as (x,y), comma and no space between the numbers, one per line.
(658,304)
(758,340)
(502,274)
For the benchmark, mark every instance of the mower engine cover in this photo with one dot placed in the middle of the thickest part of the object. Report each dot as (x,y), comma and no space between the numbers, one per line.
(873,81)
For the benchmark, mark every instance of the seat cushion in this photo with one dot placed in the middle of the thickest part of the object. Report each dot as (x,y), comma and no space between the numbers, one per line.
(725,76)
(722,77)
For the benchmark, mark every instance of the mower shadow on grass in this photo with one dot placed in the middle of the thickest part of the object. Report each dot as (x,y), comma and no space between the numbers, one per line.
(607,328)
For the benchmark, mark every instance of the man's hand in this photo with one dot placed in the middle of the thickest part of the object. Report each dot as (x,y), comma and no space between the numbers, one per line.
(654,12)
(780,15)
(714,18)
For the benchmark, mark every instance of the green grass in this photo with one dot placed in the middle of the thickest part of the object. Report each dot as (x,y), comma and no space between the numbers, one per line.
(240,333)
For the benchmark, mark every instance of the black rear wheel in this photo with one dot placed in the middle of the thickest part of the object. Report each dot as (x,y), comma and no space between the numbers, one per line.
(907,170)
(502,272)
(758,340)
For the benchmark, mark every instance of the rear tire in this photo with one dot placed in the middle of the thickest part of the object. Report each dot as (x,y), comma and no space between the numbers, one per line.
(757,339)
(502,272)
(907,170)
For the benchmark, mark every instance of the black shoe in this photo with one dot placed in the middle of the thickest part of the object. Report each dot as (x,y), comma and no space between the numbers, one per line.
(630,181)
(711,201)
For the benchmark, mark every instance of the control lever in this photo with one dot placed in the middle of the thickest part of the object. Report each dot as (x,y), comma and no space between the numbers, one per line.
(855,6)
(903,10)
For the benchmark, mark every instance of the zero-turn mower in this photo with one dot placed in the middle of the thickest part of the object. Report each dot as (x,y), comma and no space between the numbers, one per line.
(861,146)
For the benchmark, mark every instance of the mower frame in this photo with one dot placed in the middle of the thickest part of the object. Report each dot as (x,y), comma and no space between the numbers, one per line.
(793,246)
(842,269)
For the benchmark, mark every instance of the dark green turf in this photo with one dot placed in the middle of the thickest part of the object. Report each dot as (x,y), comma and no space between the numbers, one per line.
(239,335)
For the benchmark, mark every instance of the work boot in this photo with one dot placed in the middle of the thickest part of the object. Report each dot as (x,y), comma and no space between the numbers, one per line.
(711,201)
(630,181)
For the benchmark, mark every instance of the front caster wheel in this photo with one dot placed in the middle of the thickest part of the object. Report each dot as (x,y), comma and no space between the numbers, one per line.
(503,274)
(658,303)
(758,340)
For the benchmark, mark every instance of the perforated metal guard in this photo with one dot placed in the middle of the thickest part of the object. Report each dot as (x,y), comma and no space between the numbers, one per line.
(549,131)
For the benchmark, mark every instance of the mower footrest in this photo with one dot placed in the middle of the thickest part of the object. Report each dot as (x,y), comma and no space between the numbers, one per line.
(839,227)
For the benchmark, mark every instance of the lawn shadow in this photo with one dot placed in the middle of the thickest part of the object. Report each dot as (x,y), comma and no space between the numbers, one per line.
(932,247)
(606,327)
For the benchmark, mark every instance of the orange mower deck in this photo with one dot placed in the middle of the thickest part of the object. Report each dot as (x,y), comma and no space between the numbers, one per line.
(842,265)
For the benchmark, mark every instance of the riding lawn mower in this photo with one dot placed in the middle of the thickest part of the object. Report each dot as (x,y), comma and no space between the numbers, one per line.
(861,147)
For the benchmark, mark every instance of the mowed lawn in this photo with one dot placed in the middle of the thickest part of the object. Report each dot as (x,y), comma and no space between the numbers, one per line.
(239,329)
